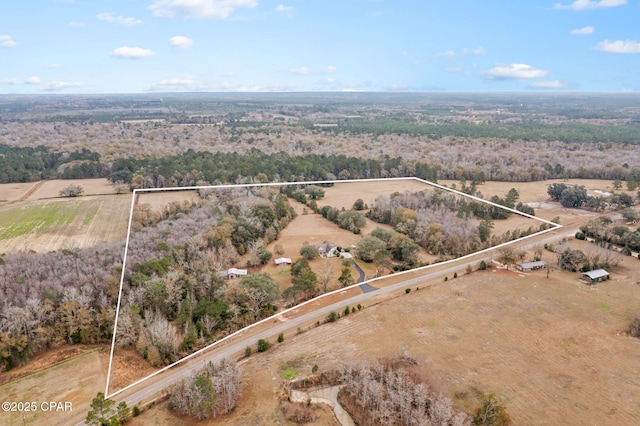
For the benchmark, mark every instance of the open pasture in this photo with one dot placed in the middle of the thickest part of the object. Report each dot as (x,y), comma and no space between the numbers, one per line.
(44,226)
(52,188)
(344,194)
(554,350)
(160,200)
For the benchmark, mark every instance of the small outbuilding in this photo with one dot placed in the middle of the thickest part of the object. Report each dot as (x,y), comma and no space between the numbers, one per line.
(282,261)
(592,277)
(233,273)
(531,266)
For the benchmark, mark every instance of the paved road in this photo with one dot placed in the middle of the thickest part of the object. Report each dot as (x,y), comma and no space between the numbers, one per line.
(360,271)
(148,389)
(366,288)
(153,386)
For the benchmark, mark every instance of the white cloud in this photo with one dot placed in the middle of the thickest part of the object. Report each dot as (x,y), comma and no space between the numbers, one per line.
(200,9)
(583,31)
(300,71)
(285,9)
(7,41)
(478,51)
(329,70)
(591,4)
(453,70)
(447,54)
(60,85)
(112,18)
(550,84)
(177,85)
(76,24)
(276,87)
(515,72)
(180,42)
(53,66)
(398,88)
(127,52)
(326,81)
(9,81)
(190,84)
(618,46)
(32,80)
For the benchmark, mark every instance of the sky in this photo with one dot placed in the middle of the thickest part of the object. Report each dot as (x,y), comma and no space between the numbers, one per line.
(146,46)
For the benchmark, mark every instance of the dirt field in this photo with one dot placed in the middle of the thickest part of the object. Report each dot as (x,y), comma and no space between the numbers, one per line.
(345,194)
(11,192)
(52,188)
(76,380)
(553,349)
(75,374)
(159,200)
(44,226)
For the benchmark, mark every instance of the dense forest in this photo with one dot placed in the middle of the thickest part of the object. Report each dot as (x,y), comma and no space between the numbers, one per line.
(40,163)
(436,136)
(175,296)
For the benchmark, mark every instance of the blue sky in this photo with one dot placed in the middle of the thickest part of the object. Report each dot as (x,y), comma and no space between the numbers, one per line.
(137,46)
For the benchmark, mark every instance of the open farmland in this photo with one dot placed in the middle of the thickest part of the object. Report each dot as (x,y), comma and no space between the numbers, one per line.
(73,380)
(345,194)
(535,194)
(554,350)
(52,188)
(158,201)
(72,374)
(44,226)
(13,192)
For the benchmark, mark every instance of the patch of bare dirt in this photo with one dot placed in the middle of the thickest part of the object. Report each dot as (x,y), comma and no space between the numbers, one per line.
(160,200)
(52,188)
(345,194)
(13,192)
(75,380)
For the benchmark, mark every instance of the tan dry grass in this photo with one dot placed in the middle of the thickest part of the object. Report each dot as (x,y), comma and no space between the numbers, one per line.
(14,191)
(160,200)
(52,188)
(99,219)
(344,194)
(76,380)
(553,349)
(311,228)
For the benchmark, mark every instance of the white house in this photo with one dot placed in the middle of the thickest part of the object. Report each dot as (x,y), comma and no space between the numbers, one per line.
(281,261)
(327,248)
(235,273)
(531,266)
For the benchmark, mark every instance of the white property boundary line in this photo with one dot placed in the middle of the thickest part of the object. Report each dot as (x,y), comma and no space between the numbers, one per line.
(554,227)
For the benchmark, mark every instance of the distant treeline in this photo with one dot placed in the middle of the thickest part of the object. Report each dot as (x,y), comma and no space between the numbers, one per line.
(627,133)
(192,167)
(32,164)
